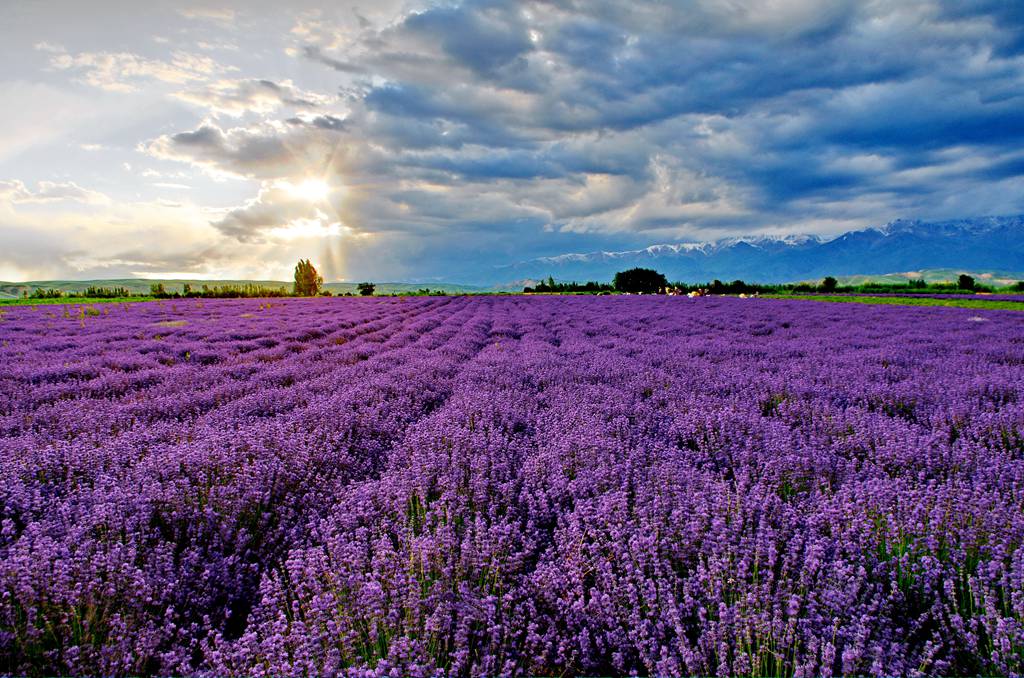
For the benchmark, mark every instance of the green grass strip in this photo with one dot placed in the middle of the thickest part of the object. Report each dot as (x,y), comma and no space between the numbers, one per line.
(72,300)
(983,304)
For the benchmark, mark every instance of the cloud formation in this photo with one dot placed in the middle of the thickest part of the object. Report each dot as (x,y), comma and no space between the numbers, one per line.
(700,120)
(123,71)
(16,192)
(279,206)
(208,13)
(258,96)
(462,136)
(260,151)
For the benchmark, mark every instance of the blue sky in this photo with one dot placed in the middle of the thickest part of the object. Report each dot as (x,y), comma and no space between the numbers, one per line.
(435,141)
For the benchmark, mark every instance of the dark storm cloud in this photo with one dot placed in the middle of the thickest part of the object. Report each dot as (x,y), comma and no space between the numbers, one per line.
(314,53)
(622,73)
(485,37)
(327,122)
(484,113)
(1004,169)
(259,152)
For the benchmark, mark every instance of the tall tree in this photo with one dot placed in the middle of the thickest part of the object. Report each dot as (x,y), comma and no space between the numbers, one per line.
(644,280)
(307,280)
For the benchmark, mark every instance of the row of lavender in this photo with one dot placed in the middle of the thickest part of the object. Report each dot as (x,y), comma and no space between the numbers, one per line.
(511,485)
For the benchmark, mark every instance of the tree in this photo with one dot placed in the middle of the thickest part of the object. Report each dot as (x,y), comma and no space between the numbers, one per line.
(366,289)
(965,282)
(307,280)
(157,290)
(829,284)
(644,280)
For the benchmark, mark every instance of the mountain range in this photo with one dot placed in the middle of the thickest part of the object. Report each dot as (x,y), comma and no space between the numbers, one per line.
(985,243)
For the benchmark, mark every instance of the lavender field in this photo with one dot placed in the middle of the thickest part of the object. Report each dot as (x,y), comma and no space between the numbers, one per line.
(511,485)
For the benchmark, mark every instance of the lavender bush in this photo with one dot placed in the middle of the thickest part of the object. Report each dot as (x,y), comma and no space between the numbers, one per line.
(511,485)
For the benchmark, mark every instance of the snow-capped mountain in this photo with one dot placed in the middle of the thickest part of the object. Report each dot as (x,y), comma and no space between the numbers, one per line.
(986,243)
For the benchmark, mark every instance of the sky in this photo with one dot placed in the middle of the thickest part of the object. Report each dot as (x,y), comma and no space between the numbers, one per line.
(428,141)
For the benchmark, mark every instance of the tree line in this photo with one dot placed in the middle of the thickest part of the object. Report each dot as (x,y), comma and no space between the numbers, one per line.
(309,283)
(90,292)
(650,281)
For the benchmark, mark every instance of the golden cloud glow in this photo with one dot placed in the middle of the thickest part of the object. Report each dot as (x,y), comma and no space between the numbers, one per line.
(310,190)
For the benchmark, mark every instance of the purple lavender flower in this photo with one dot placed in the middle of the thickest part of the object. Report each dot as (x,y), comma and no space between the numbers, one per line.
(511,485)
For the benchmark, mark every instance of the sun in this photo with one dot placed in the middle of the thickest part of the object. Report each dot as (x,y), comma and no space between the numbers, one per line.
(310,190)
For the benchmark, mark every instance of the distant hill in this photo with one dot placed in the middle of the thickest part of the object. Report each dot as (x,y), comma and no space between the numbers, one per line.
(398,287)
(989,248)
(937,275)
(140,286)
(137,286)
(994,245)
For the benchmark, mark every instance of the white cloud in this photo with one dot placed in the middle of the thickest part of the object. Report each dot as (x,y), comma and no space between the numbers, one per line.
(16,192)
(281,209)
(53,48)
(238,97)
(123,71)
(147,239)
(219,45)
(223,14)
